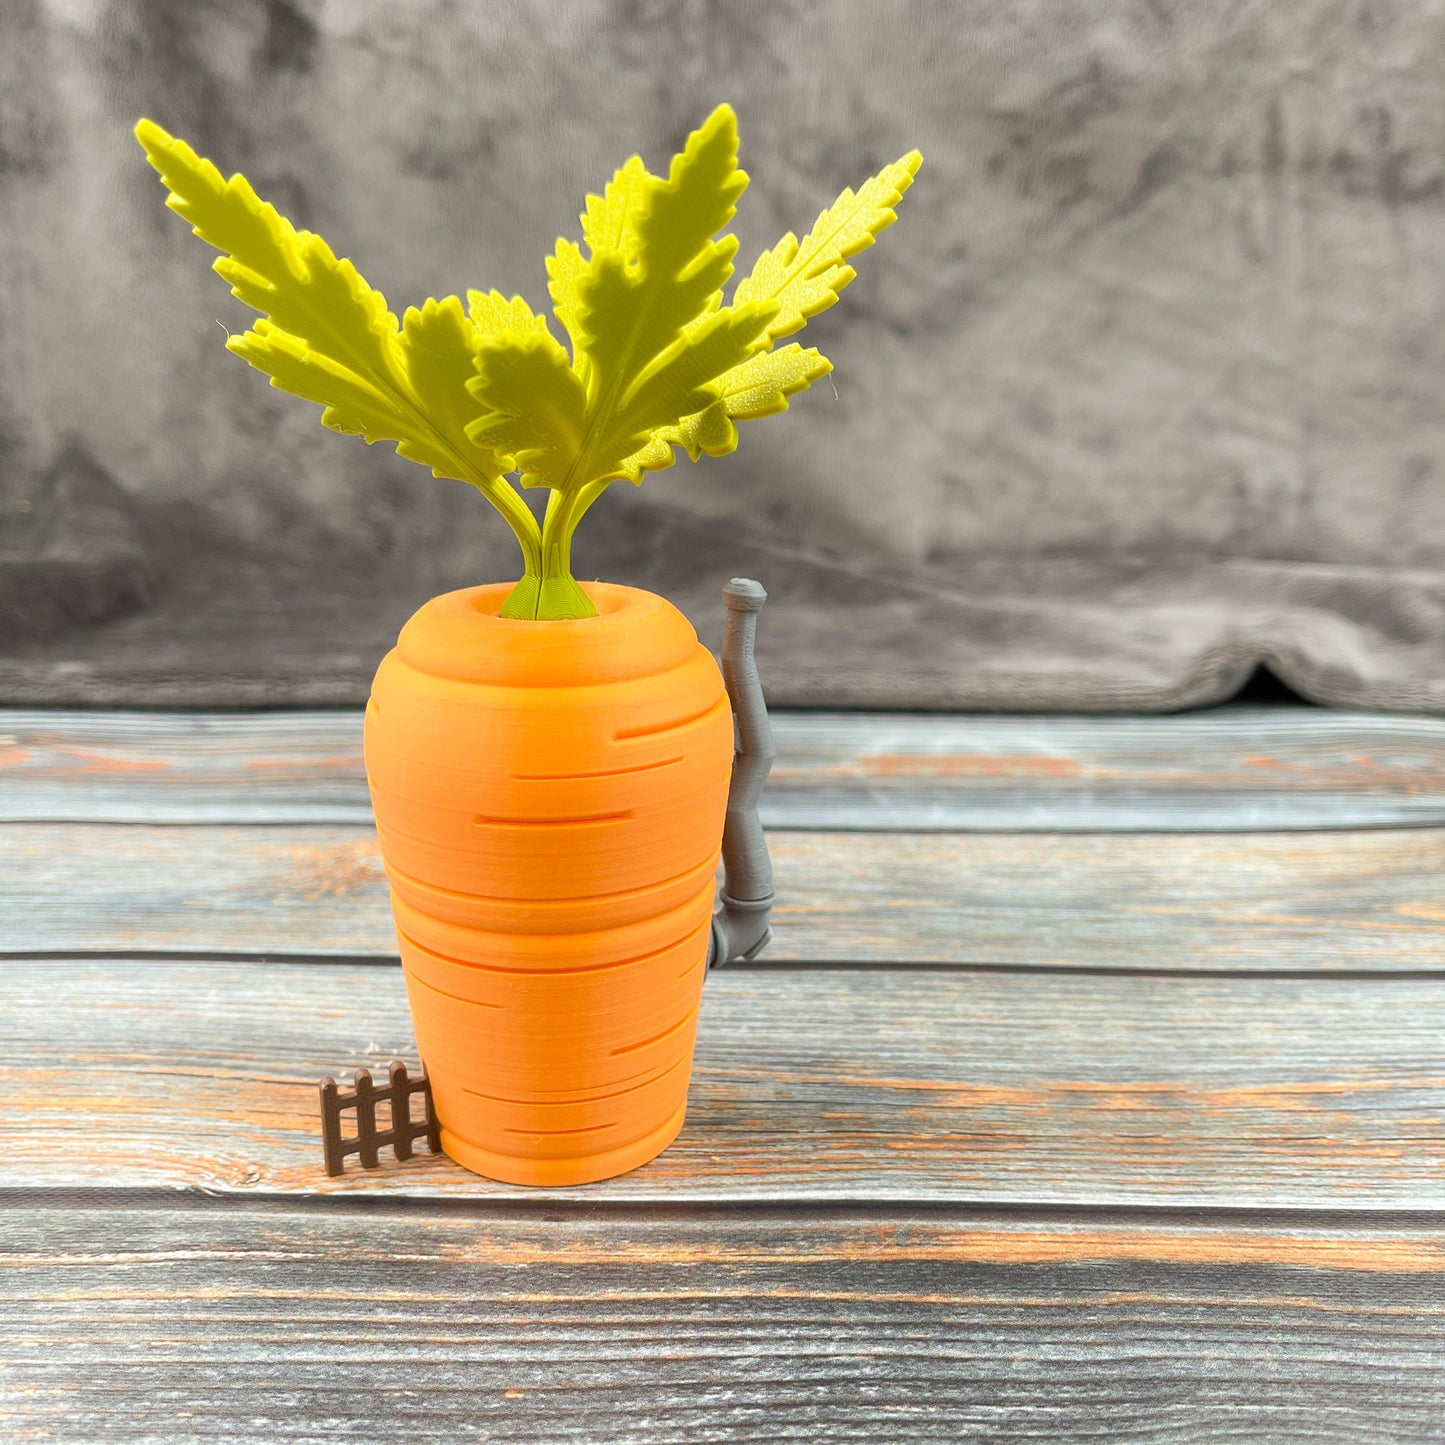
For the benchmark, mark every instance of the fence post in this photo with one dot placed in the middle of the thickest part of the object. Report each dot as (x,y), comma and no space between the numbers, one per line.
(401,1135)
(331,1128)
(365,1119)
(433,1126)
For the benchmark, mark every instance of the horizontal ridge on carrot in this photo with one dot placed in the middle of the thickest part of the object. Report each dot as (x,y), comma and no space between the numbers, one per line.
(549,760)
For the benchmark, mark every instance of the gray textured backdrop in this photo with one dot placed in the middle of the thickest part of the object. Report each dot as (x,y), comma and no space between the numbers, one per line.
(1144,387)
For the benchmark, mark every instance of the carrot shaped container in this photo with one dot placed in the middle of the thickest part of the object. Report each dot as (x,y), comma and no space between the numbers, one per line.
(549,761)
(550,799)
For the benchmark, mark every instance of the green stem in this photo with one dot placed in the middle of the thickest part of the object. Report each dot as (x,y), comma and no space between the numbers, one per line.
(553,594)
(497,490)
(556,539)
(503,495)
(521,601)
(584,499)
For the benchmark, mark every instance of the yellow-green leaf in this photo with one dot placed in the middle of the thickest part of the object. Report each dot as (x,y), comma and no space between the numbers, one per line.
(609,226)
(326,335)
(631,312)
(610,221)
(805,277)
(492,314)
(655,455)
(438,353)
(762,384)
(649,329)
(533,405)
(759,386)
(352,405)
(289,276)
(565,269)
(682,381)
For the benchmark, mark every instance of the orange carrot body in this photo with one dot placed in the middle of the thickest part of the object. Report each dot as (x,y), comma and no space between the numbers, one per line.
(550,801)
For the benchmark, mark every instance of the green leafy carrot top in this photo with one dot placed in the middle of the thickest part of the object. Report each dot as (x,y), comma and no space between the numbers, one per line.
(657,361)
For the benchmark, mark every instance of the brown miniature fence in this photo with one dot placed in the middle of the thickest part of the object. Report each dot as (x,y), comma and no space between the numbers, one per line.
(363,1098)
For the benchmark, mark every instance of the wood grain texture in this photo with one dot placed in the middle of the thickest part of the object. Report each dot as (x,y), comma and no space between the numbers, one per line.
(1238,768)
(809,1085)
(713,1326)
(1297,901)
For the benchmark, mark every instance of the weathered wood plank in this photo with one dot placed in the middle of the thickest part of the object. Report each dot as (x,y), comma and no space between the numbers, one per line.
(1300,901)
(1238,768)
(810,1085)
(714,1326)
(138,767)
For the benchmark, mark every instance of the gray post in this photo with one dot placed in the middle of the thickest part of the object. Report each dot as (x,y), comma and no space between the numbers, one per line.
(740,924)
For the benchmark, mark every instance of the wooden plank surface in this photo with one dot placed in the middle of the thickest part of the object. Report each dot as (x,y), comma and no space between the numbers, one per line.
(809,1085)
(1169,1164)
(1237,768)
(713,1326)
(1298,901)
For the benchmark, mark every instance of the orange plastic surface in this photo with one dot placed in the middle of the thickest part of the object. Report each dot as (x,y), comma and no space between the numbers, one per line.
(550,800)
